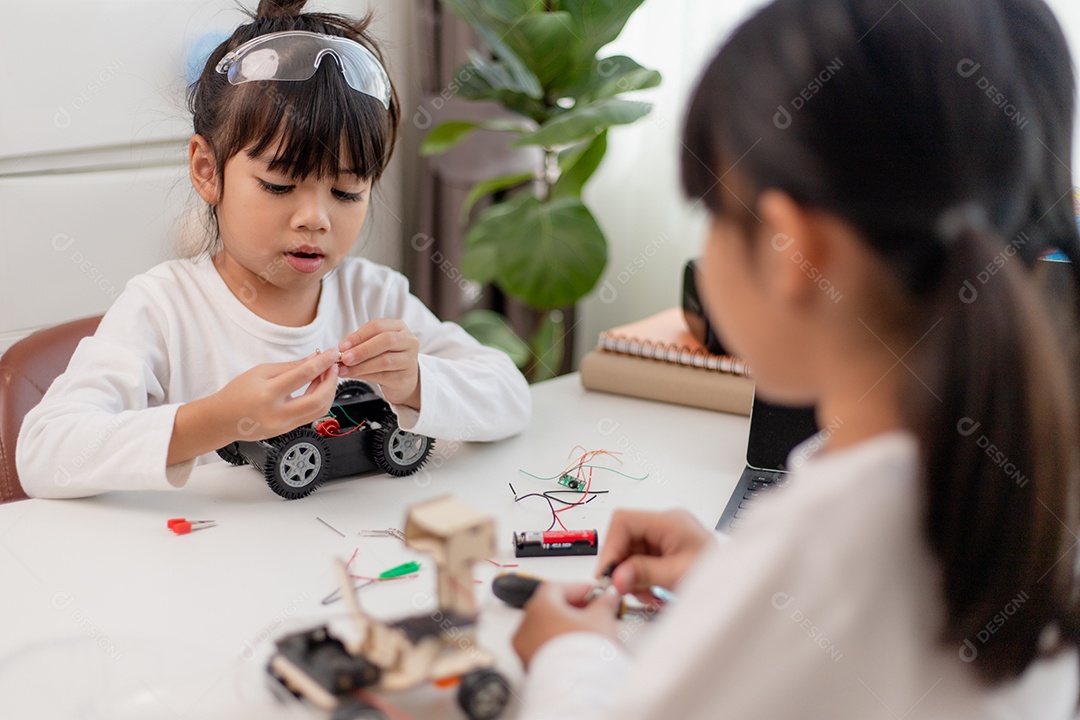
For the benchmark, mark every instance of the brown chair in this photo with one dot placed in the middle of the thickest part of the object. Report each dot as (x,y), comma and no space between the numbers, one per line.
(27,370)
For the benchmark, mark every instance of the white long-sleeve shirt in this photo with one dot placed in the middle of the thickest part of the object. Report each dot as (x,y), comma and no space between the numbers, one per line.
(178,334)
(826,603)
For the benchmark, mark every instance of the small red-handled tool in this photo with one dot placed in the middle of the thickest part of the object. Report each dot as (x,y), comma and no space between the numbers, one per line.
(183,526)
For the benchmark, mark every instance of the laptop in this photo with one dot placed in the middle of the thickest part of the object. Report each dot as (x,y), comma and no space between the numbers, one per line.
(775,430)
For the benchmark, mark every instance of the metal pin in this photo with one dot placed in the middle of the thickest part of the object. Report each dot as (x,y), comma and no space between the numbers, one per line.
(602,583)
(330,526)
(388,532)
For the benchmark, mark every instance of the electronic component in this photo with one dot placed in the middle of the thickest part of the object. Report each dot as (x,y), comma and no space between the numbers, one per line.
(183,526)
(555,542)
(572,482)
(328,427)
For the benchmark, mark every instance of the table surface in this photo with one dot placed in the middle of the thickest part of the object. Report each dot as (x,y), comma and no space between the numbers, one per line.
(108,614)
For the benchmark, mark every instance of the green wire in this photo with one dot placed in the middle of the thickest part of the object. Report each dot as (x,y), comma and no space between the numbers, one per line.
(597,467)
(526,472)
(344,413)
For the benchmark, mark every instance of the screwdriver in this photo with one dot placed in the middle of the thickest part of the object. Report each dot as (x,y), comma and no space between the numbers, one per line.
(515,589)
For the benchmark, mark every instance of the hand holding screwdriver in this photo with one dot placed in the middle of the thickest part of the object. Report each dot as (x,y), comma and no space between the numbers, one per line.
(650,549)
(515,589)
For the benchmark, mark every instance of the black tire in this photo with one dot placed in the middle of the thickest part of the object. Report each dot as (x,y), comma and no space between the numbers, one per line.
(278,683)
(353,709)
(297,463)
(231,454)
(398,452)
(483,694)
(351,389)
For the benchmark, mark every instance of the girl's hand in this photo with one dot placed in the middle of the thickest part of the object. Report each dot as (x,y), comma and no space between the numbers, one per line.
(557,608)
(652,548)
(254,406)
(385,352)
(261,397)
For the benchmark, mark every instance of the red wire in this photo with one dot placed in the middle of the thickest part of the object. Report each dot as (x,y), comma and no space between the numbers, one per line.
(350,431)
(588,484)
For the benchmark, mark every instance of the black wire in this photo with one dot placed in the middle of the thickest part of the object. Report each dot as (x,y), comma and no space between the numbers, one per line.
(547,495)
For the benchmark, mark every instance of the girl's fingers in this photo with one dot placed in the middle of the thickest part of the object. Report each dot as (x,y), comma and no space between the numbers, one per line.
(296,375)
(572,593)
(555,609)
(628,531)
(317,399)
(386,363)
(330,375)
(387,342)
(369,330)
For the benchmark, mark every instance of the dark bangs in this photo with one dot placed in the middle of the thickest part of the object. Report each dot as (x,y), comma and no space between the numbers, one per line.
(317,127)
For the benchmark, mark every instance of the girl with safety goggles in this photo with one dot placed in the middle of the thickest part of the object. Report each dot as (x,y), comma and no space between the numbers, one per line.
(295,119)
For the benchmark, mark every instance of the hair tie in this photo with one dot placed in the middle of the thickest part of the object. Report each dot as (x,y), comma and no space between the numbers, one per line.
(959,219)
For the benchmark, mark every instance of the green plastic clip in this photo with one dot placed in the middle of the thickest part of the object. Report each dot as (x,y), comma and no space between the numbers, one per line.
(404,569)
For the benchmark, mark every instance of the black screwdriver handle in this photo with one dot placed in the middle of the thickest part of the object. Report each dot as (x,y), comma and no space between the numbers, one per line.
(514,589)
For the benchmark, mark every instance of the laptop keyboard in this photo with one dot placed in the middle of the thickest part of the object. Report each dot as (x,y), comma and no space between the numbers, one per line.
(759,482)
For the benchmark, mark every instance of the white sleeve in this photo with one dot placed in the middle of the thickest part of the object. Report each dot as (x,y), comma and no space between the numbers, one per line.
(468,392)
(575,676)
(103,424)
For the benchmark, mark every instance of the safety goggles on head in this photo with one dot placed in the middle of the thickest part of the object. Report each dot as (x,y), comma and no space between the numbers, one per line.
(296,54)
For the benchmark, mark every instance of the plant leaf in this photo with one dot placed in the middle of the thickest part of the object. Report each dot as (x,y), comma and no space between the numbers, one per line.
(491,21)
(615,75)
(491,329)
(482,241)
(584,121)
(470,83)
(580,167)
(547,43)
(446,136)
(548,346)
(548,255)
(599,21)
(492,185)
(450,134)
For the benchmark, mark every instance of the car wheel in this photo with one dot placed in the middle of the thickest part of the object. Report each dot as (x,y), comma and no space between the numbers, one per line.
(398,452)
(352,389)
(483,694)
(231,454)
(279,685)
(297,463)
(354,709)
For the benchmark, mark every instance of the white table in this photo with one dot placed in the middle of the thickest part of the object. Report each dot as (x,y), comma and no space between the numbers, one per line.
(105,613)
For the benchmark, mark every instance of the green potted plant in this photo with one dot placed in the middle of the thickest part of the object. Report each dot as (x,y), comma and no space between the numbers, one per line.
(538,242)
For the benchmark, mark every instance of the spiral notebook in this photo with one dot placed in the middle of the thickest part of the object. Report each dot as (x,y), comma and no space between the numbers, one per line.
(666,338)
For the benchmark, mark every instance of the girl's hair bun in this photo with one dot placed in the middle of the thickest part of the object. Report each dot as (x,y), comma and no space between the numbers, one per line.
(279,8)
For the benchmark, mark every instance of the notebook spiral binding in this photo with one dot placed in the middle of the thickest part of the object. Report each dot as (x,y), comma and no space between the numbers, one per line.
(698,357)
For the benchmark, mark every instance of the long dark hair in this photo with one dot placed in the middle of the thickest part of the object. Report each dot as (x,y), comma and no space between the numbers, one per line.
(316,120)
(941,131)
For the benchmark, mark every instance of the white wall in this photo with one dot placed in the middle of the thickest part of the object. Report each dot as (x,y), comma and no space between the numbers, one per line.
(636,196)
(93,136)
